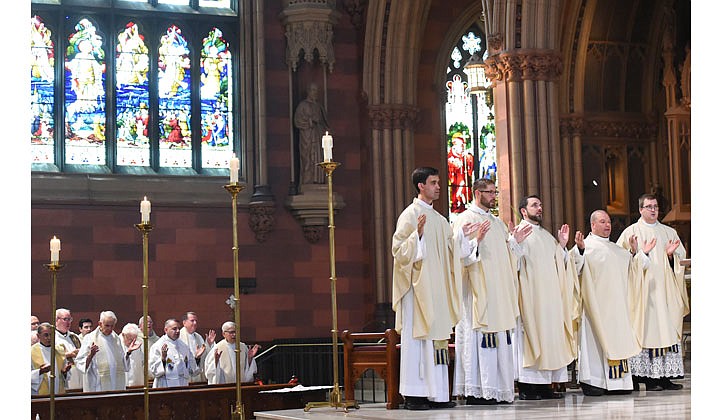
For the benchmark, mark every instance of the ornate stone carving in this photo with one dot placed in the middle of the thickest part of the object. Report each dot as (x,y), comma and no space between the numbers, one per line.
(309,28)
(578,126)
(262,219)
(312,233)
(356,10)
(495,41)
(311,209)
(390,116)
(524,64)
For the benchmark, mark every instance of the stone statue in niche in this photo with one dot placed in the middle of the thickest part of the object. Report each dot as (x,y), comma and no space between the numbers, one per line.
(312,123)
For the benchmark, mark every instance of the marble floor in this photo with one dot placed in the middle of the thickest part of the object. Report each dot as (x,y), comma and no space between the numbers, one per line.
(638,405)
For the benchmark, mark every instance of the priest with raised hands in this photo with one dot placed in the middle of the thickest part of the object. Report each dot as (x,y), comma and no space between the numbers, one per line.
(606,337)
(661,301)
(220,367)
(484,366)
(426,293)
(549,299)
(171,361)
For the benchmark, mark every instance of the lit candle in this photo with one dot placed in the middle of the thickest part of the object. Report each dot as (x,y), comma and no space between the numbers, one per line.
(54,250)
(327,145)
(234,169)
(145,210)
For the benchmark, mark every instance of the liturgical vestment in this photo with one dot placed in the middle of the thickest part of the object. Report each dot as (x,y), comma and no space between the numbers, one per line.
(224,372)
(39,356)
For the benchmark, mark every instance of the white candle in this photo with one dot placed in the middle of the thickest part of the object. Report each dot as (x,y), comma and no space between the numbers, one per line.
(327,145)
(145,210)
(234,169)
(54,250)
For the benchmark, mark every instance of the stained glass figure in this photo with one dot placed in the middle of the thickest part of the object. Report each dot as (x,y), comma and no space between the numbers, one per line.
(42,92)
(132,96)
(174,86)
(216,102)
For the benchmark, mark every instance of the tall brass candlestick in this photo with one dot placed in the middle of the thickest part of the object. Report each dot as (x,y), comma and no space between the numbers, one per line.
(234,189)
(335,396)
(53,268)
(145,228)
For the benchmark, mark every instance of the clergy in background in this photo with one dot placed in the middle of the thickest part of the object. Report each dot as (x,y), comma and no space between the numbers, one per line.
(135,376)
(102,359)
(72,343)
(484,367)
(220,367)
(661,302)
(40,363)
(171,361)
(606,337)
(426,293)
(549,307)
(199,346)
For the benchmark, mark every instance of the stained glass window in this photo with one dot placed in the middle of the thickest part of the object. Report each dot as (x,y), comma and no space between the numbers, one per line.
(132,96)
(215,104)
(174,99)
(470,127)
(85,96)
(42,92)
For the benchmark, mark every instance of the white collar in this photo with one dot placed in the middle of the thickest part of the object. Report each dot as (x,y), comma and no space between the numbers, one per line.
(423,203)
(648,224)
(600,238)
(473,207)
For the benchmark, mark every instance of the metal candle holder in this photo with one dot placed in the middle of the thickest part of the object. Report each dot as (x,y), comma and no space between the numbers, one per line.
(335,396)
(145,228)
(234,189)
(53,268)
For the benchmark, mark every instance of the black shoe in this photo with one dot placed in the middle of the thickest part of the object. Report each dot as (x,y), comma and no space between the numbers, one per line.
(671,386)
(446,404)
(636,383)
(619,392)
(470,400)
(591,391)
(529,396)
(653,385)
(546,392)
(417,403)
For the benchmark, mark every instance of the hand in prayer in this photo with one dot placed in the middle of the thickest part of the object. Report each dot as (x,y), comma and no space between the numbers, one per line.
(632,240)
(579,240)
(421,225)
(218,353)
(483,230)
(252,351)
(163,351)
(520,233)
(199,351)
(44,368)
(210,337)
(564,235)
(671,247)
(648,246)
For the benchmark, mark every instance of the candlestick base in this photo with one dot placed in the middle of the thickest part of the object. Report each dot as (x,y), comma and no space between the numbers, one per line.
(238,413)
(335,402)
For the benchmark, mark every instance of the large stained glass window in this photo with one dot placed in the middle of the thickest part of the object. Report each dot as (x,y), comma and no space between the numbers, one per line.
(85,96)
(132,96)
(215,104)
(174,86)
(469,124)
(42,92)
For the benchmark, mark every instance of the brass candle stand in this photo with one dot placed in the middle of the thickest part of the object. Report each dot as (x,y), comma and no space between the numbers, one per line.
(234,189)
(53,268)
(335,396)
(145,228)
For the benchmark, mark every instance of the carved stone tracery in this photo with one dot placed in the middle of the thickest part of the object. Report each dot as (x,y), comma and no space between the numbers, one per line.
(309,28)
(262,219)
(388,116)
(524,64)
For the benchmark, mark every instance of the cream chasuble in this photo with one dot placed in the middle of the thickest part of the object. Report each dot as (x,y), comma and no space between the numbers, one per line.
(106,370)
(606,298)
(659,294)
(492,280)
(224,372)
(436,289)
(549,302)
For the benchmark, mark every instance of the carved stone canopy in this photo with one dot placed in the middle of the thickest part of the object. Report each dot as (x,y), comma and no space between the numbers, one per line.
(311,209)
(309,28)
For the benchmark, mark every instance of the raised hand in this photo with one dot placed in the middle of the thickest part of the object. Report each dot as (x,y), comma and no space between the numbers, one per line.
(199,351)
(252,351)
(218,353)
(163,351)
(564,235)
(134,346)
(483,230)
(632,240)
(520,233)
(671,247)
(579,240)
(648,246)
(421,225)
(210,336)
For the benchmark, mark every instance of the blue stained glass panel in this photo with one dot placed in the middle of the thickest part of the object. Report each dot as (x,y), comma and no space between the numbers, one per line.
(174,86)
(42,92)
(85,96)
(215,101)
(132,97)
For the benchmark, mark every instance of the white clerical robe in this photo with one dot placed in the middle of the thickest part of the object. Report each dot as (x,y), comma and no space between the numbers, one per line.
(490,306)
(606,330)
(71,341)
(135,375)
(426,297)
(224,372)
(194,341)
(178,366)
(39,356)
(106,370)
(549,309)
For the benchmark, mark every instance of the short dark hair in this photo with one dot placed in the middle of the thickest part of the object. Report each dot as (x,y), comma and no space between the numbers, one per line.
(524,201)
(185,315)
(420,176)
(644,197)
(84,320)
(482,183)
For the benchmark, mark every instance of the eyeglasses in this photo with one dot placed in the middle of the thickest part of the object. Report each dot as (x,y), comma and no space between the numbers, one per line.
(230,332)
(490,192)
(651,207)
(66,319)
